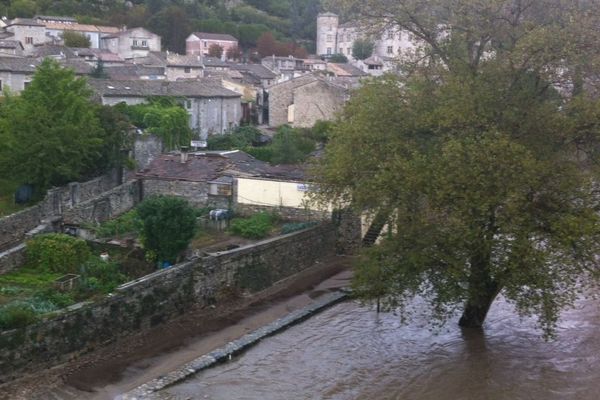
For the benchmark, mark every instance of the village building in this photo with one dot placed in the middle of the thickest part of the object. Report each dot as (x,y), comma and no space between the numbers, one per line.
(27,31)
(212,108)
(57,26)
(285,68)
(390,42)
(176,66)
(11,47)
(198,43)
(131,43)
(303,101)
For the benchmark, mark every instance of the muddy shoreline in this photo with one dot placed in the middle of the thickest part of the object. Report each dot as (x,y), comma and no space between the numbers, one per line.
(129,362)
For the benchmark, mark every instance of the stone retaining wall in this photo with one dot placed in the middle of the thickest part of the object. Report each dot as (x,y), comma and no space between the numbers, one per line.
(159,297)
(14,227)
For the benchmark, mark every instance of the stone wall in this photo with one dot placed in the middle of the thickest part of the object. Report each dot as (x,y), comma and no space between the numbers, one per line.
(196,193)
(159,297)
(105,206)
(13,228)
(145,149)
(289,213)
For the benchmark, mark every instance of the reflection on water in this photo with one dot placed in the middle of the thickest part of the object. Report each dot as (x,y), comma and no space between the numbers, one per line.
(350,352)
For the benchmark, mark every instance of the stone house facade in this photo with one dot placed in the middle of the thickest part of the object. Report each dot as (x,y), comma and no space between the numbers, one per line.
(212,109)
(57,26)
(303,101)
(131,43)
(27,31)
(198,43)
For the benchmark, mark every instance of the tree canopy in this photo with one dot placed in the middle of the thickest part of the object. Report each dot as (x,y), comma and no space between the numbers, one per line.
(75,39)
(362,49)
(481,157)
(169,223)
(51,133)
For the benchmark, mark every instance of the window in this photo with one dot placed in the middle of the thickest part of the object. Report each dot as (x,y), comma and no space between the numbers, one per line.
(349,51)
(390,35)
(28,40)
(329,50)
(0,85)
(188,104)
(25,84)
(187,70)
(390,49)
(205,44)
(329,38)
(135,43)
(144,43)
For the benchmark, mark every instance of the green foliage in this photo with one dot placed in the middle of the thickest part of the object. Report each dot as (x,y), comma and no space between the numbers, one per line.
(127,223)
(99,276)
(29,277)
(75,39)
(163,117)
(51,133)
(240,138)
(362,49)
(215,51)
(338,58)
(484,171)
(297,226)
(57,299)
(263,153)
(99,72)
(169,223)
(14,316)
(257,226)
(290,146)
(56,252)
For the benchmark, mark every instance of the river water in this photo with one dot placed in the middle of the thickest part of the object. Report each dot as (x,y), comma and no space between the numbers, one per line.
(350,352)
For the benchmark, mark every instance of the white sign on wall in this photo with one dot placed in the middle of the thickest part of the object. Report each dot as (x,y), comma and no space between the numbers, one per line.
(198,143)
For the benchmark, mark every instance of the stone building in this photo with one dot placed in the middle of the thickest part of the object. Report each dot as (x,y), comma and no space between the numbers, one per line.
(131,43)
(305,100)
(57,26)
(27,31)
(198,43)
(11,47)
(390,43)
(176,66)
(212,108)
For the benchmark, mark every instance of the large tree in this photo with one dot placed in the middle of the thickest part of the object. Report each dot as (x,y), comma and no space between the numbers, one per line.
(481,157)
(51,133)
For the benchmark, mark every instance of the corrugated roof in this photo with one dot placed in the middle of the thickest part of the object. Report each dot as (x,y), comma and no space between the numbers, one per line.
(214,36)
(146,88)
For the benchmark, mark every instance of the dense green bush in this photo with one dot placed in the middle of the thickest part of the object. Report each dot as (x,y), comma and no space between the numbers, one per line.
(169,223)
(257,226)
(290,146)
(16,315)
(264,153)
(100,276)
(56,252)
(127,223)
(240,138)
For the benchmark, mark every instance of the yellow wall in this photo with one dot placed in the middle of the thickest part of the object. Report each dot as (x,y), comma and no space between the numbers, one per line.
(270,193)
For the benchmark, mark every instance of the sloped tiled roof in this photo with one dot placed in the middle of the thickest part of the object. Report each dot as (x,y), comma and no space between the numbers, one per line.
(14,64)
(343,70)
(49,49)
(132,71)
(257,70)
(25,22)
(146,88)
(214,36)
(210,166)
(10,44)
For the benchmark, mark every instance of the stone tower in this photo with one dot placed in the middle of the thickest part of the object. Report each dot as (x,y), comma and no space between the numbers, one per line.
(327,25)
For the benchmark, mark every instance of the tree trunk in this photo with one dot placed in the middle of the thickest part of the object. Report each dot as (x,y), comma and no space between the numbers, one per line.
(482,292)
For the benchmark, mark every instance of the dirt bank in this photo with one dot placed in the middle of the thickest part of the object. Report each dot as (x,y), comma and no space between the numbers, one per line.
(107,372)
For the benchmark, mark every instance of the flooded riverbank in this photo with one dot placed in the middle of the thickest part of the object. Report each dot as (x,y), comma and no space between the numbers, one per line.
(350,352)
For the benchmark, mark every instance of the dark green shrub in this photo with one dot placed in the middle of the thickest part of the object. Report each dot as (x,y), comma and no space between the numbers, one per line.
(58,299)
(127,223)
(264,153)
(56,252)
(240,138)
(16,315)
(257,226)
(290,146)
(169,223)
(101,276)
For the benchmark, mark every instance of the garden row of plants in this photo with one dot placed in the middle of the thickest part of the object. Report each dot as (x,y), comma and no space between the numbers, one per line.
(164,225)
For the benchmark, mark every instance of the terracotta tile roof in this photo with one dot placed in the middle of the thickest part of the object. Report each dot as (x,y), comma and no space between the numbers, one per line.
(80,27)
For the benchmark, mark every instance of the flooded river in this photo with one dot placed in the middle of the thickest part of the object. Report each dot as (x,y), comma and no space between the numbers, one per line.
(350,352)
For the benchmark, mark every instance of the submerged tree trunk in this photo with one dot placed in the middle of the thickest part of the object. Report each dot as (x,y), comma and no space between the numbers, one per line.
(482,293)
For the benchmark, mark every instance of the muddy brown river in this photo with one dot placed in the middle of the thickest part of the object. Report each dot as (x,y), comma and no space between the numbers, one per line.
(350,352)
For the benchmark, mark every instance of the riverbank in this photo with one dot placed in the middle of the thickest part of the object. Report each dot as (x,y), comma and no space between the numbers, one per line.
(128,363)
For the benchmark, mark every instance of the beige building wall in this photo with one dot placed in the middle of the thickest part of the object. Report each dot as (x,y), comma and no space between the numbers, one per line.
(271,193)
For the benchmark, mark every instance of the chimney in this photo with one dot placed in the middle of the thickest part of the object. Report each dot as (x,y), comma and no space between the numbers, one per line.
(184,154)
